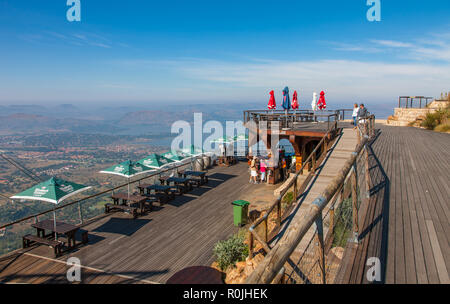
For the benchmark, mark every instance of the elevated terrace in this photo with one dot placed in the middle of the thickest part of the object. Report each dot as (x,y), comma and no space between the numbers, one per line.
(397,191)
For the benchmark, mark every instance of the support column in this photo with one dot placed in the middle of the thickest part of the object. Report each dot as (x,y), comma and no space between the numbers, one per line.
(296,142)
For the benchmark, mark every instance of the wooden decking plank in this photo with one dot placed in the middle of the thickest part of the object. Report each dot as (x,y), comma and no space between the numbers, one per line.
(438,257)
(408,164)
(433,207)
(415,216)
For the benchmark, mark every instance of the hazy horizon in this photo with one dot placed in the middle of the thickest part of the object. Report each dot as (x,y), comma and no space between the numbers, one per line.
(138,53)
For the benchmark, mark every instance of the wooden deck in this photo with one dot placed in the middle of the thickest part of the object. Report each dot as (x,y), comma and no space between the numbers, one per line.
(406,220)
(405,223)
(149,249)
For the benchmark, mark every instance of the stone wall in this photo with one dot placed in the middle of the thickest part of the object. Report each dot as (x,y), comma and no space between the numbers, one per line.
(403,116)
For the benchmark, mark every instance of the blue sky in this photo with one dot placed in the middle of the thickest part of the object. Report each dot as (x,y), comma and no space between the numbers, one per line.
(135,52)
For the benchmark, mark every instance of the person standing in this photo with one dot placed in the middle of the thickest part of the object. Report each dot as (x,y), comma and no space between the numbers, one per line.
(355,114)
(362,113)
(283,169)
(253,171)
(262,169)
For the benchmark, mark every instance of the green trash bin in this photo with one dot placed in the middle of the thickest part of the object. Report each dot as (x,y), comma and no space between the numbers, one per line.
(240,211)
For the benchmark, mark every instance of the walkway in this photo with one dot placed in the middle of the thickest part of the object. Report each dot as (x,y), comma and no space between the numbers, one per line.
(407,223)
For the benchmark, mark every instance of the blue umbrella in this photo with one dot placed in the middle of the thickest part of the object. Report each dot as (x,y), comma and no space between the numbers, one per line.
(286,100)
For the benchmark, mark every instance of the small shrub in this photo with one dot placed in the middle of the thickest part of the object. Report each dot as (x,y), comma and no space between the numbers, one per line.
(287,200)
(434,119)
(230,251)
(343,223)
(443,128)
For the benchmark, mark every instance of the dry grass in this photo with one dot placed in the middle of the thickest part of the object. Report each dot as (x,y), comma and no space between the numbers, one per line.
(443,128)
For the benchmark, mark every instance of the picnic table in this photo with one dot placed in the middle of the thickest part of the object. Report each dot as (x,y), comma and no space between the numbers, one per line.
(200,177)
(68,230)
(163,193)
(127,200)
(181,184)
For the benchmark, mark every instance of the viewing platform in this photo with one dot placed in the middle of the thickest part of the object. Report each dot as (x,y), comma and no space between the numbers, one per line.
(402,217)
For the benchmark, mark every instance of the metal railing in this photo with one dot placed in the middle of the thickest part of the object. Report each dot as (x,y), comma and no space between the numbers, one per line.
(77,216)
(273,268)
(282,206)
(413,101)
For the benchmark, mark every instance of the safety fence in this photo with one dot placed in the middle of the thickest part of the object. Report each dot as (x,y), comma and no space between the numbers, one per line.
(78,212)
(311,247)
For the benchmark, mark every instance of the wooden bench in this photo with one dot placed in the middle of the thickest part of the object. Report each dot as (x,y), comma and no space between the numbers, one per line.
(109,207)
(195,181)
(177,190)
(30,239)
(81,234)
(84,236)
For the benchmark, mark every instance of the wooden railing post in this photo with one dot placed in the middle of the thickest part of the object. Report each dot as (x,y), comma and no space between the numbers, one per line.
(320,246)
(354,204)
(80,213)
(331,227)
(367,173)
(295,188)
(279,213)
(313,163)
(358,133)
(250,244)
(266,232)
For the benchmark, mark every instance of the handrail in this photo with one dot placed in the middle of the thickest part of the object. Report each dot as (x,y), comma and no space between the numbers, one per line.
(281,195)
(297,113)
(408,101)
(92,196)
(276,258)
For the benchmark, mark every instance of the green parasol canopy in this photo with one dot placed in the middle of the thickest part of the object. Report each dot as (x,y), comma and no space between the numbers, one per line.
(156,161)
(241,137)
(54,191)
(223,140)
(176,156)
(193,151)
(127,169)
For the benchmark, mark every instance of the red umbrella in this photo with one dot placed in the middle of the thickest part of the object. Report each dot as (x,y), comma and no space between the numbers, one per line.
(321,104)
(272,104)
(294,104)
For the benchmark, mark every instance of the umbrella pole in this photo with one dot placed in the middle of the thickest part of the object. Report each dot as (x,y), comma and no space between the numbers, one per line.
(128,189)
(54,223)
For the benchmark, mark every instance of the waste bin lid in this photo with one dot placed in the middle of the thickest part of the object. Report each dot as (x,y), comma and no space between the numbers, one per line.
(240,203)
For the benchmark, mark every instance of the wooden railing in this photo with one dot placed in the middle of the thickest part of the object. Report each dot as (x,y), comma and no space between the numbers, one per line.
(272,268)
(311,161)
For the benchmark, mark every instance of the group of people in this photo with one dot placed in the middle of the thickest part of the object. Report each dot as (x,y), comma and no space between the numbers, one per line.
(259,167)
(359,114)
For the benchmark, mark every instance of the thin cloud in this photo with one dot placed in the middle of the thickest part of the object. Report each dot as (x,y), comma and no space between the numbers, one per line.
(393,44)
